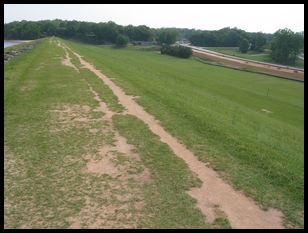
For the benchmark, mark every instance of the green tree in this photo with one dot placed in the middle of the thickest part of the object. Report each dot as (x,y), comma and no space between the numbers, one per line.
(244,45)
(257,42)
(260,42)
(286,46)
(167,36)
(225,37)
(121,41)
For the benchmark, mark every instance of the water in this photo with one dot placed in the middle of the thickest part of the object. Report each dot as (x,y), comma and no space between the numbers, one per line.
(11,43)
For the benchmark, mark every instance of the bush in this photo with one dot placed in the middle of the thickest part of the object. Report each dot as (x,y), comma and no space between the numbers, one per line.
(244,45)
(177,51)
(121,41)
(286,45)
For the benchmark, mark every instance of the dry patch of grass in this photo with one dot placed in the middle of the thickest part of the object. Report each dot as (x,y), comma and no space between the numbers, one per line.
(116,202)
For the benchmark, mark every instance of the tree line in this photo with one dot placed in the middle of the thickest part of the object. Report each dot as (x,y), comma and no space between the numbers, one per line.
(97,33)
(230,37)
(108,32)
(285,44)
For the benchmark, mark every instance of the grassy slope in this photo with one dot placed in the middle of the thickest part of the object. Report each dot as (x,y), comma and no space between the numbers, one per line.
(217,113)
(44,184)
(263,56)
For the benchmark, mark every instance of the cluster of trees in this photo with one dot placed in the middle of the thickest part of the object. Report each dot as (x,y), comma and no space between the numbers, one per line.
(231,37)
(97,33)
(244,46)
(255,42)
(286,46)
(177,51)
(167,36)
(121,41)
(83,31)
(226,37)
(101,33)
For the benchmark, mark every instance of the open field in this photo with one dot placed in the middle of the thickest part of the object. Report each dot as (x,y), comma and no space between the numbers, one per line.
(252,55)
(248,127)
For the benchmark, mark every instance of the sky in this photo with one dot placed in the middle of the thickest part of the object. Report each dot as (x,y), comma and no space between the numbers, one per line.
(266,18)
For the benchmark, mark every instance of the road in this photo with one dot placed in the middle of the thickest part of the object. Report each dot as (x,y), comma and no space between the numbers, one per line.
(296,73)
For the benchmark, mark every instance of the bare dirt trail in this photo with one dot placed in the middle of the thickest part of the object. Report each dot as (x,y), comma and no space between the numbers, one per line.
(124,210)
(67,60)
(215,193)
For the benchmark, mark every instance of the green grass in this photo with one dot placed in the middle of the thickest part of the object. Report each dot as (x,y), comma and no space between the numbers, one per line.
(246,69)
(167,203)
(252,55)
(45,155)
(43,168)
(217,113)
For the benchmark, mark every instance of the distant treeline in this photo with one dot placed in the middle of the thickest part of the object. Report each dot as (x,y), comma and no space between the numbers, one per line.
(229,37)
(84,31)
(100,33)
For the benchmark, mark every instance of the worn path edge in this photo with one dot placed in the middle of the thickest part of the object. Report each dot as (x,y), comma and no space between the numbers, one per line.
(215,193)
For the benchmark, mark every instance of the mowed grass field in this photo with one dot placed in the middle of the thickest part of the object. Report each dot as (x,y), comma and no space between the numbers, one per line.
(248,126)
(252,55)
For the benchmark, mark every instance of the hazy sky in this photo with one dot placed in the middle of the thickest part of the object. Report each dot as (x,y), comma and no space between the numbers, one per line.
(249,17)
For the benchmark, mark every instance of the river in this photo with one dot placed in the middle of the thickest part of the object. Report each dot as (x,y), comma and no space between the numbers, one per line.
(8,43)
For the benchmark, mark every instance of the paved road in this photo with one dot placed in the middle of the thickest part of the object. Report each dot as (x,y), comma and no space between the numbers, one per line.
(246,61)
(286,71)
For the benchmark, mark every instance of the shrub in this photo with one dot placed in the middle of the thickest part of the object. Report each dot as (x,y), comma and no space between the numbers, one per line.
(286,45)
(177,51)
(244,45)
(121,41)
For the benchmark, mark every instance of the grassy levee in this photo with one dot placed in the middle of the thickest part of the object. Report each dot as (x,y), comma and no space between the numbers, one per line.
(43,183)
(49,112)
(167,203)
(38,189)
(248,126)
(252,55)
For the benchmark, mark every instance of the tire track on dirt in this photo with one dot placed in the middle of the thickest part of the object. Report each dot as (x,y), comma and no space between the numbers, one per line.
(214,193)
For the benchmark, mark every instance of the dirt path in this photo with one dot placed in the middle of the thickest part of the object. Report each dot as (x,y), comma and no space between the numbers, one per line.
(120,209)
(100,217)
(214,194)
(67,60)
(296,72)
